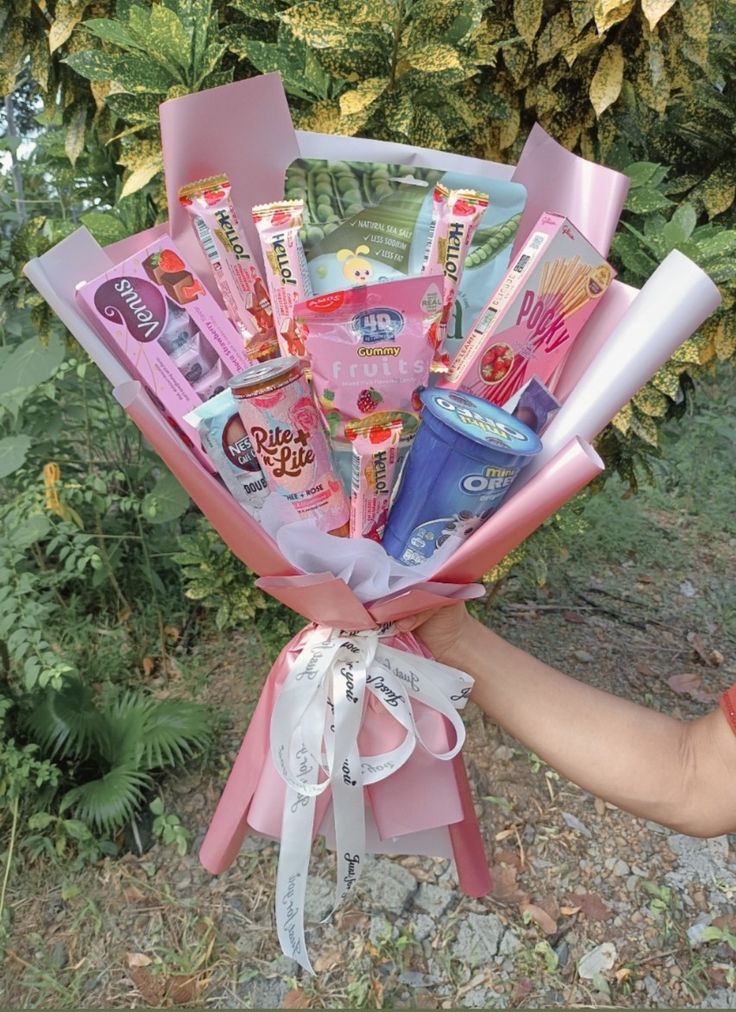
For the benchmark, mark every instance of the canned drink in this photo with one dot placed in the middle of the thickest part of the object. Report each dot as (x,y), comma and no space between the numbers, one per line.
(285,430)
(223,436)
(464,458)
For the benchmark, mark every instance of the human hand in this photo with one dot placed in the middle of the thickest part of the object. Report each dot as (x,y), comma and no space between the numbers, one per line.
(441,630)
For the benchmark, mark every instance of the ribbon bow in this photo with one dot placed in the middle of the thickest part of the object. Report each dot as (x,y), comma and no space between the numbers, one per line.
(314,746)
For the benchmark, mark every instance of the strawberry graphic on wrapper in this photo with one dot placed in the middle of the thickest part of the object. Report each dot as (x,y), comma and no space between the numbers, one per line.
(463,208)
(379,434)
(213,196)
(496,363)
(280,217)
(170,262)
(368,401)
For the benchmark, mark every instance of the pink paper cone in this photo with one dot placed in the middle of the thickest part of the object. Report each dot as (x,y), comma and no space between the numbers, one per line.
(562,478)
(468,849)
(321,598)
(422,598)
(123,249)
(399,803)
(673,303)
(592,337)
(229,825)
(590,195)
(56,275)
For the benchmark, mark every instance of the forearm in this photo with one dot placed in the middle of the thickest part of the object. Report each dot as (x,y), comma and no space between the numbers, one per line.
(641,760)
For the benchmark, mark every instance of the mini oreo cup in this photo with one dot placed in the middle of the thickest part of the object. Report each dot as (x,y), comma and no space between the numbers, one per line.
(461,465)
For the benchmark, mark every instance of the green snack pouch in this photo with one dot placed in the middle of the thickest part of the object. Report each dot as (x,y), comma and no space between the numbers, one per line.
(368,222)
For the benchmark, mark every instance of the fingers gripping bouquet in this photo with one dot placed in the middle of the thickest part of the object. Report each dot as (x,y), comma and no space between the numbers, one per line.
(374,400)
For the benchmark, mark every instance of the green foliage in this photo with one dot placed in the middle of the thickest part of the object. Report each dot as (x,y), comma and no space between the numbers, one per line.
(167,827)
(606,527)
(112,745)
(152,53)
(218,581)
(69,840)
(88,523)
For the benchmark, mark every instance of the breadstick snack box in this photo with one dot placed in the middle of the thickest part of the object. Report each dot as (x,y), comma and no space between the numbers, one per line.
(529,324)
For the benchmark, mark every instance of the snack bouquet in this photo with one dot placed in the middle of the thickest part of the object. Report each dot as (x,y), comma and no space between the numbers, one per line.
(376,370)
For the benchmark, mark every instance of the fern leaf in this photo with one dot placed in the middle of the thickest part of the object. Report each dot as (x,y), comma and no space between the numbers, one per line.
(126,714)
(150,733)
(66,722)
(173,730)
(108,802)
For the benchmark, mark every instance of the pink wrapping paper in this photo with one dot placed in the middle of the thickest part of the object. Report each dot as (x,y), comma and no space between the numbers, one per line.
(524,511)
(242,129)
(325,600)
(670,307)
(253,795)
(591,338)
(590,195)
(245,538)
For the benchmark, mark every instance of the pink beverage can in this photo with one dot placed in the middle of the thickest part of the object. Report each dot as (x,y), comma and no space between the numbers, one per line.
(285,430)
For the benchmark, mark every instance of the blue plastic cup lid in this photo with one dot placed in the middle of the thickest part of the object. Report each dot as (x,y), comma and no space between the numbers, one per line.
(480,421)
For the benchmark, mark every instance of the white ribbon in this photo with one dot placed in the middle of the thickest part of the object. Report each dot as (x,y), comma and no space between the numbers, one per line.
(314,746)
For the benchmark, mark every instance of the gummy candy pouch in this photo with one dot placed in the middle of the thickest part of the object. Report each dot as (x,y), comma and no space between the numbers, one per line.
(367,222)
(370,350)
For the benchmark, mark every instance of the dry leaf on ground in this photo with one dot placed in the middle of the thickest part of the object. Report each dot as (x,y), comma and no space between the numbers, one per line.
(690,684)
(592,906)
(139,959)
(296,999)
(505,888)
(539,916)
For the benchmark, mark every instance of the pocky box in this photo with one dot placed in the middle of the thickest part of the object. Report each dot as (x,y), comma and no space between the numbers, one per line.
(286,269)
(370,350)
(455,217)
(375,456)
(226,443)
(369,222)
(285,430)
(157,317)
(529,324)
(216,224)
